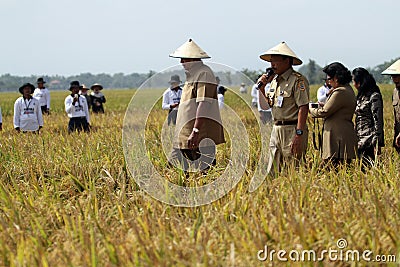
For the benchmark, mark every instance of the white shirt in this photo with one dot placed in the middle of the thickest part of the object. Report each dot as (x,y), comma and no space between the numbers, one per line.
(321,93)
(254,94)
(27,114)
(79,109)
(267,87)
(171,97)
(43,95)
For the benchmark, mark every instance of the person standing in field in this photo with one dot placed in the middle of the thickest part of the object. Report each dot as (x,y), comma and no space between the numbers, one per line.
(83,92)
(369,116)
(339,141)
(323,93)
(27,112)
(171,98)
(97,98)
(220,93)
(42,94)
(77,110)
(394,72)
(243,88)
(289,97)
(265,115)
(198,120)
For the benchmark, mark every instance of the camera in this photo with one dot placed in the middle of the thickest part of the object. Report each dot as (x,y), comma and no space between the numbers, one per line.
(269,72)
(314,105)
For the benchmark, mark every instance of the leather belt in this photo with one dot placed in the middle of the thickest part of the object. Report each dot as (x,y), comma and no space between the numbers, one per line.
(285,122)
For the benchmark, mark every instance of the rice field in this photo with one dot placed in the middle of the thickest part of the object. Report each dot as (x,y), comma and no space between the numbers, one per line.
(72,200)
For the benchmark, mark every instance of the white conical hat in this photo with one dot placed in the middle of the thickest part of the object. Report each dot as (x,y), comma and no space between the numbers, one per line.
(394,69)
(189,50)
(281,49)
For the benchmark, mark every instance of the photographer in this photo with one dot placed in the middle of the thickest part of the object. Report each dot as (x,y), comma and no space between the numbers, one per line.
(77,110)
(97,98)
(171,98)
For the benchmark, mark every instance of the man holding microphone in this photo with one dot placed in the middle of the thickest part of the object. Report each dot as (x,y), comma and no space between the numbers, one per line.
(77,110)
(288,97)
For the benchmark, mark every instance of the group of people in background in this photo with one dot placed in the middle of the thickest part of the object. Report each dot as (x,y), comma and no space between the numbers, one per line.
(35,102)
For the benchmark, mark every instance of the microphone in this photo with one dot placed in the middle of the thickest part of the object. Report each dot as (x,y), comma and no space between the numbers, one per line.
(269,72)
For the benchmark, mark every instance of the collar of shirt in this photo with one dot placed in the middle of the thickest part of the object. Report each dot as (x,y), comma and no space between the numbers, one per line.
(285,76)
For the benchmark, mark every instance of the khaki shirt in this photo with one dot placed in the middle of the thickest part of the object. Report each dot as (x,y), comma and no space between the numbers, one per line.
(200,86)
(294,89)
(396,113)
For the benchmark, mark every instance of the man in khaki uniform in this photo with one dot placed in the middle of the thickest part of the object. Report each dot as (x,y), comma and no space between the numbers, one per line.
(289,97)
(394,72)
(198,125)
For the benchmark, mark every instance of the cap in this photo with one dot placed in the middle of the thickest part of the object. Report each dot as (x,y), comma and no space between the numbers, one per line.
(189,50)
(281,49)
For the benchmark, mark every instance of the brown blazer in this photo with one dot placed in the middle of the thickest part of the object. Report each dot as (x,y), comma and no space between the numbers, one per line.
(339,136)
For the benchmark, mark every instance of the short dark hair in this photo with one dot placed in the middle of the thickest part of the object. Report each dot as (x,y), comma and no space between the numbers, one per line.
(338,70)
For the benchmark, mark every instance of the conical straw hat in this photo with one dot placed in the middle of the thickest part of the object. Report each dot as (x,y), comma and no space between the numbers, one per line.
(394,69)
(189,50)
(281,49)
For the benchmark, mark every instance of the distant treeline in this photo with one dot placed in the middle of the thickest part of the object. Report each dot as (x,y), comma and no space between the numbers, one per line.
(311,70)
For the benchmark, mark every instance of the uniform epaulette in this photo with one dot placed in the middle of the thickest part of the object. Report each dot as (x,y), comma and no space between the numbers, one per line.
(298,74)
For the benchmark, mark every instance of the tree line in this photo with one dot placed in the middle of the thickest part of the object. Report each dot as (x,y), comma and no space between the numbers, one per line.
(311,70)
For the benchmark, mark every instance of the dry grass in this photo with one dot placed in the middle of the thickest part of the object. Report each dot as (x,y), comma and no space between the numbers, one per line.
(67,200)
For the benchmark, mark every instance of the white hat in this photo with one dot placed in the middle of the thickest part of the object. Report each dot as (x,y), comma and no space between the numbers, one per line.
(281,49)
(394,69)
(189,50)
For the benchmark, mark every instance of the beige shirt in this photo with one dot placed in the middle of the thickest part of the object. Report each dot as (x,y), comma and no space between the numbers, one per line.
(293,89)
(200,86)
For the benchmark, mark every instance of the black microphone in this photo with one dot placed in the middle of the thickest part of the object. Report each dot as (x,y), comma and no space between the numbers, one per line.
(268,72)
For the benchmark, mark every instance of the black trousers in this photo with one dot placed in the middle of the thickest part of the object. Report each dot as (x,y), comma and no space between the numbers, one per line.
(78,124)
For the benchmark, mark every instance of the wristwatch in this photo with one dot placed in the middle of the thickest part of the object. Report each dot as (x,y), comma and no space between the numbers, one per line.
(195,130)
(299,132)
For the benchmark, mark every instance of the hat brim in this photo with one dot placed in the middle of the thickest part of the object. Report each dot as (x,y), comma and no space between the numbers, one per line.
(267,57)
(94,86)
(21,89)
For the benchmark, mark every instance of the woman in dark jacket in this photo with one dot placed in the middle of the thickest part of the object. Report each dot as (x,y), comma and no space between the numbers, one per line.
(369,115)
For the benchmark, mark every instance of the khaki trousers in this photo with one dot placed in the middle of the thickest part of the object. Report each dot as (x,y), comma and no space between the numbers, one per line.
(280,148)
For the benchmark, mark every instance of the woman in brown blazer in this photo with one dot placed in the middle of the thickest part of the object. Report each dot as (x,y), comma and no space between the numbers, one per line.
(339,137)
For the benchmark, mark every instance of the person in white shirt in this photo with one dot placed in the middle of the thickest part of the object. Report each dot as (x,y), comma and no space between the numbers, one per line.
(77,110)
(322,94)
(27,112)
(42,94)
(265,114)
(254,94)
(243,89)
(220,93)
(172,98)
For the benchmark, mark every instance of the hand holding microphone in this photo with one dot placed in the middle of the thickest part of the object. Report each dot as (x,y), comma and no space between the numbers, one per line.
(269,72)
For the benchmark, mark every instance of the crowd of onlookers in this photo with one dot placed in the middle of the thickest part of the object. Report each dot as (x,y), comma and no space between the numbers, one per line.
(33,103)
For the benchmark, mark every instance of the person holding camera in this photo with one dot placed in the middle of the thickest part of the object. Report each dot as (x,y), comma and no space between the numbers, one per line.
(77,110)
(339,139)
(394,71)
(27,112)
(97,98)
(369,116)
(288,97)
(171,98)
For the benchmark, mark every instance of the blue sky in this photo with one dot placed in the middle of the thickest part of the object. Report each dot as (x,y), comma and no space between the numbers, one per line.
(68,37)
